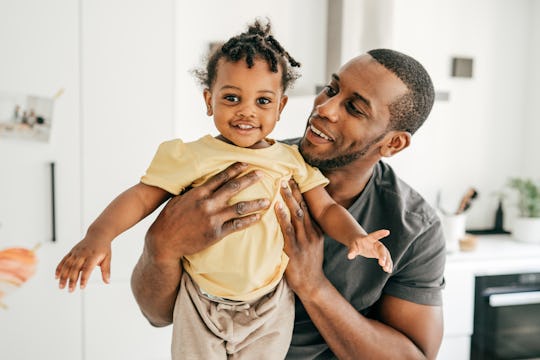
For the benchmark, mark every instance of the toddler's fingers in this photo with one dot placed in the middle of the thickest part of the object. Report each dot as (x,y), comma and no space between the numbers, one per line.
(72,281)
(63,271)
(385,260)
(87,268)
(377,235)
(74,274)
(354,251)
(106,270)
(59,267)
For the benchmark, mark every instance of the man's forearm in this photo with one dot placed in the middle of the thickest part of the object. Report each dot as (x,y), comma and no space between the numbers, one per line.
(349,334)
(155,287)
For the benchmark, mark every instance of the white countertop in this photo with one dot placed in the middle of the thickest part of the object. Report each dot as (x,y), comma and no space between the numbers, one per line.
(498,253)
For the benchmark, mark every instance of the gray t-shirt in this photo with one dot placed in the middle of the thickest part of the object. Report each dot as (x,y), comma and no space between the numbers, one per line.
(416,245)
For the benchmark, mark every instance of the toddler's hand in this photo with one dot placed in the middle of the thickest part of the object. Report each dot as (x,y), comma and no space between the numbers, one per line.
(369,246)
(81,260)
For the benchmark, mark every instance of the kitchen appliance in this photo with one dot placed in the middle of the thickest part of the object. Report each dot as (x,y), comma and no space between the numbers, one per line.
(506,317)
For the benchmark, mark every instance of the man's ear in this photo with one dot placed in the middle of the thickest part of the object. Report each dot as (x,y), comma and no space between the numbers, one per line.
(395,142)
(208,101)
(282,103)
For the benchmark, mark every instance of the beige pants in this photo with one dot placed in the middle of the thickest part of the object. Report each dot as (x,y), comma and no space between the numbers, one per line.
(205,329)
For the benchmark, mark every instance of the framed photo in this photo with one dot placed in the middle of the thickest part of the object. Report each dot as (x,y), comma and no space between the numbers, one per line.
(26,117)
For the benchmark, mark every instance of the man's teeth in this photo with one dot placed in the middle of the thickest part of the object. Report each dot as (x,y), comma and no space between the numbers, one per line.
(318,132)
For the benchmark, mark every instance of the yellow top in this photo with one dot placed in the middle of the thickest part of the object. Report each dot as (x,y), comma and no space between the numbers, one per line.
(246,264)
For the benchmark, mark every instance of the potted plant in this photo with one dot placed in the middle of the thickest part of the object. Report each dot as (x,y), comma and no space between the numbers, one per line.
(527,225)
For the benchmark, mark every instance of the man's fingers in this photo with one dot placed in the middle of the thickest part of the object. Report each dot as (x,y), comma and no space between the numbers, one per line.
(287,228)
(304,228)
(297,213)
(243,208)
(234,185)
(297,195)
(238,224)
(221,178)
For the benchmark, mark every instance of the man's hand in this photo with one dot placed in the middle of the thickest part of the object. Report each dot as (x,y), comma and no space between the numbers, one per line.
(303,242)
(411,330)
(188,224)
(202,216)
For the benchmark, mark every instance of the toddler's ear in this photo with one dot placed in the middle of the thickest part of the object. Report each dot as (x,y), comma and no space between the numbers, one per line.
(208,100)
(282,103)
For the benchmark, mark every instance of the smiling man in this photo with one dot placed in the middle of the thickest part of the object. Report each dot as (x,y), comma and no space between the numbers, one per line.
(344,309)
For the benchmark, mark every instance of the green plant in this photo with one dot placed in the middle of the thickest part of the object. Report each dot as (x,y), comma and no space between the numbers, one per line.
(529,196)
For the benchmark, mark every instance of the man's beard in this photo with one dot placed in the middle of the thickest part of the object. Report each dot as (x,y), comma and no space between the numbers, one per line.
(339,160)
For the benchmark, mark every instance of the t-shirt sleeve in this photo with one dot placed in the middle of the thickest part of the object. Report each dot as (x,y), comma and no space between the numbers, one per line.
(420,278)
(306,176)
(173,167)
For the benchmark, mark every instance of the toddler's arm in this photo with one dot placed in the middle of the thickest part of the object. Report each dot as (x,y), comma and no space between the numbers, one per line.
(123,212)
(337,222)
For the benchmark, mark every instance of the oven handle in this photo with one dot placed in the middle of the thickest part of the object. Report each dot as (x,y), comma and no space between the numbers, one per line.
(517,298)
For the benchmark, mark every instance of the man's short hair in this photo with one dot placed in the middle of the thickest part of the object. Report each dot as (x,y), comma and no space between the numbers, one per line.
(410,111)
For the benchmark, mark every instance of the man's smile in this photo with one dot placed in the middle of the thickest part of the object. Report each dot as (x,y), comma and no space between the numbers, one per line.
(319,132)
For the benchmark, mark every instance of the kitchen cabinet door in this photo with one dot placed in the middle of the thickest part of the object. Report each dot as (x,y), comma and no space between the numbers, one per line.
(40,55)
(115,328)
(127,82)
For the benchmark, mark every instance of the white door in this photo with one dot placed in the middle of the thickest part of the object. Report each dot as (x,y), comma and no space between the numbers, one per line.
(40,55)
(127,77)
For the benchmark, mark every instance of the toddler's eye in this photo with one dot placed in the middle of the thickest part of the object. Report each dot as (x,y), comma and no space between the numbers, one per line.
(263,101)
(231,98)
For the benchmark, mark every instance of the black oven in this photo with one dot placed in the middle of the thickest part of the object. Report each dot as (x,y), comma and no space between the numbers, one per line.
(506,317)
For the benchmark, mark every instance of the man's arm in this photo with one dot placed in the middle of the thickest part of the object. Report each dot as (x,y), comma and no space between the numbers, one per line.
(411,330)
(188,224)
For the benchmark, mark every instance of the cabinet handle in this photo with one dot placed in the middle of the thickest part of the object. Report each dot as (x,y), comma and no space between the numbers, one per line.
(53,203)
(512,299)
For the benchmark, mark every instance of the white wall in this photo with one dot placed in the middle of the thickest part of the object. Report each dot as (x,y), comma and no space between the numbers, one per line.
(531,162)
(475,138)
(300,26)
(39,55)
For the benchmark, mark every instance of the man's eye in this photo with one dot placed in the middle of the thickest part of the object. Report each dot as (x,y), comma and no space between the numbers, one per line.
(353,110)
(263,101)
(329,91)
(231,98)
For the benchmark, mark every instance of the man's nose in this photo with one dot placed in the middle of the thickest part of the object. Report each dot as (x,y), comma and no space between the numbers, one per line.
(328,109)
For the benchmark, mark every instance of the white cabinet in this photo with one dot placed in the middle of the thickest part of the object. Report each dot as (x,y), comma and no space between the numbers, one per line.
(493,255)
(458,305)
(115,61)
(127,110)
(39,55)
(115,328)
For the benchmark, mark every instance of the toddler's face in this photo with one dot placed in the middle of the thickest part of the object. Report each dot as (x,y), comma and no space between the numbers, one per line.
(245,102)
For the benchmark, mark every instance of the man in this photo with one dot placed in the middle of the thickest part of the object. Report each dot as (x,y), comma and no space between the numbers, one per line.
(345,309)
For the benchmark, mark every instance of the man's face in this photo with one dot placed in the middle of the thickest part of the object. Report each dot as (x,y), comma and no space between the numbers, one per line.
(351,115)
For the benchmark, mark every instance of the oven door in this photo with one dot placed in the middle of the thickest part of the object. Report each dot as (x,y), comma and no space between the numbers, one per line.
(507,322)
